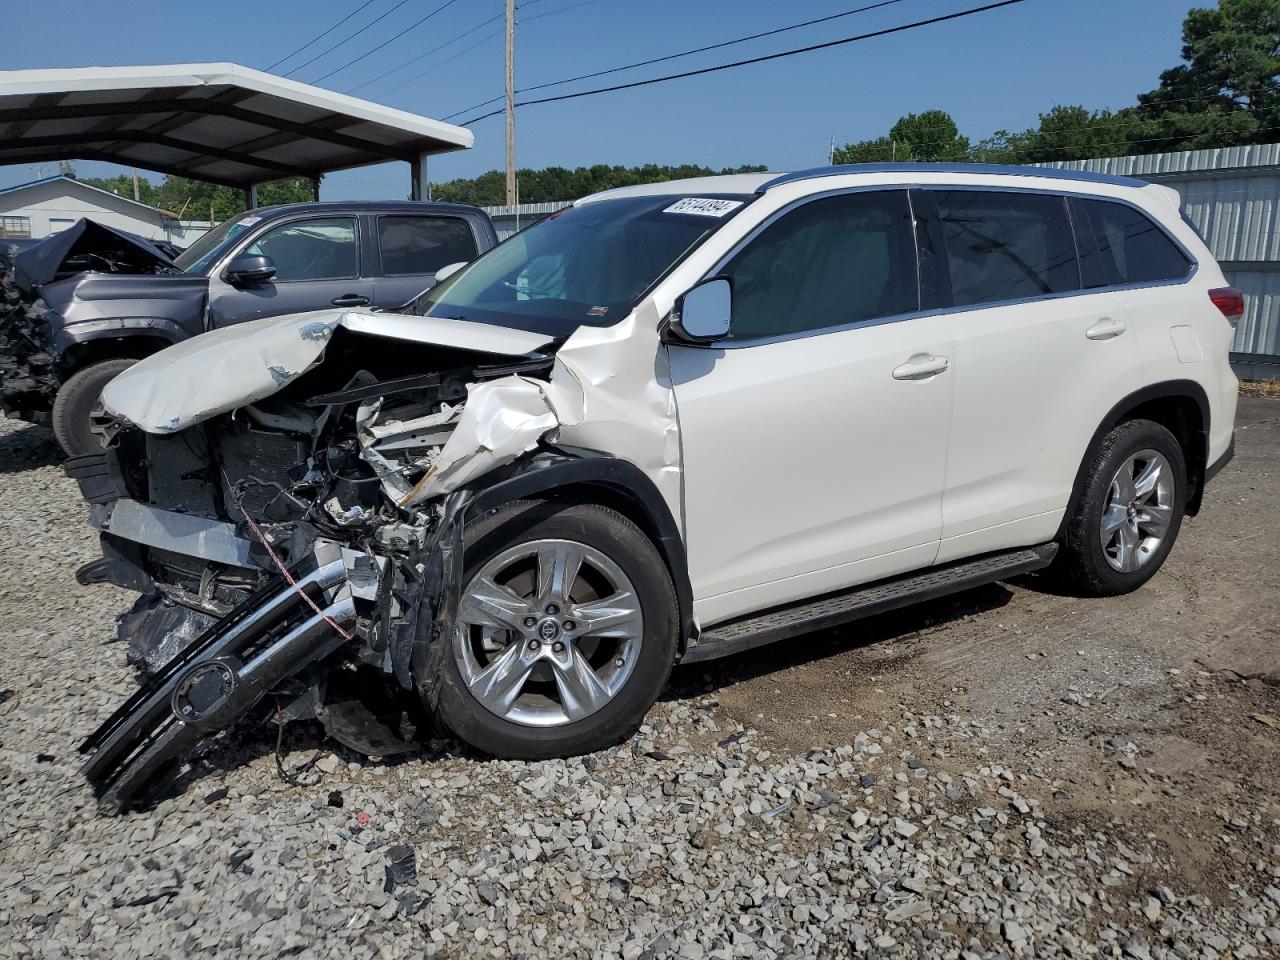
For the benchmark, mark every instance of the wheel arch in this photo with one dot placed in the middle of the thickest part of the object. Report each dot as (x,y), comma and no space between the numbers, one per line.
(1182,406)
(119,344)
(591,476)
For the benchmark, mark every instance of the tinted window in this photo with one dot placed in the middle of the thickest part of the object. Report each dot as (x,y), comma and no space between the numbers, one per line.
(830,262)
(1006,246)
(423,244)
(1122,245)
(320,249)
(586,265)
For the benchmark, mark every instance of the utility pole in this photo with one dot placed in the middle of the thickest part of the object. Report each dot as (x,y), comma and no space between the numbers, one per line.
(135,183)
(511,103)
(831,154)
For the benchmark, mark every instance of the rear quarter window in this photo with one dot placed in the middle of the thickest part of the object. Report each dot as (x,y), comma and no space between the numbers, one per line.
(1122,245)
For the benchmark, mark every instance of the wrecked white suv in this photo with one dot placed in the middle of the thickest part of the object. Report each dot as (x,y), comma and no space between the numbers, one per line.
(669,423)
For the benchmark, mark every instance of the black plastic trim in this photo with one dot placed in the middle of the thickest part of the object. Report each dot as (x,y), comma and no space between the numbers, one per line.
(865,600)
(1155,391)
(564,467)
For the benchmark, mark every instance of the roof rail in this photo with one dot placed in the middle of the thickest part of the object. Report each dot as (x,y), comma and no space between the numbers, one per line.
(1043,173)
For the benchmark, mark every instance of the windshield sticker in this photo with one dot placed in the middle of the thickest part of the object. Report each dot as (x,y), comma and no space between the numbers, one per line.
(248,221)
(597,311)
(703,206)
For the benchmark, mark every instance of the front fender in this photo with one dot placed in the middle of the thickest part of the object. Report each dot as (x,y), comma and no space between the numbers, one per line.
(564,467)
(68,335)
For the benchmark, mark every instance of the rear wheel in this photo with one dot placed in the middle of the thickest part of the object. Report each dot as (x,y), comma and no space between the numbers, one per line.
(565,632)
(1130,510)
(74,403)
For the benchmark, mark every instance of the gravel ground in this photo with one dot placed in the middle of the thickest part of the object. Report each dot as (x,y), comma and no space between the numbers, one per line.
(1006,773)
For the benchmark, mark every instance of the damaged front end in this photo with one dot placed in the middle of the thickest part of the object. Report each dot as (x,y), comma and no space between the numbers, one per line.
(31,326)
(288,496)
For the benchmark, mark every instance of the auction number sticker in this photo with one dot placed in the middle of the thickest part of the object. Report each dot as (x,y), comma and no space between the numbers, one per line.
(703,206)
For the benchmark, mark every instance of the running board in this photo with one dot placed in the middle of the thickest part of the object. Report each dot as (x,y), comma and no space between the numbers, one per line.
(725,639)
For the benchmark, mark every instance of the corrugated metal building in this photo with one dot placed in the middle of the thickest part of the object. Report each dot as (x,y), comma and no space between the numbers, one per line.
(1232,195)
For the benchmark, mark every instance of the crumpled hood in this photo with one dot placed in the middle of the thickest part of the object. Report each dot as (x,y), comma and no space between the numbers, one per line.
(238,365)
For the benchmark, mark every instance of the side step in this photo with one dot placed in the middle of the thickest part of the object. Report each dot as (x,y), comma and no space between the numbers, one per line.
(725,639)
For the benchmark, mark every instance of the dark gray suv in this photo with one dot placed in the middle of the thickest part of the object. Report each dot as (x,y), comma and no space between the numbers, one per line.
(82,326)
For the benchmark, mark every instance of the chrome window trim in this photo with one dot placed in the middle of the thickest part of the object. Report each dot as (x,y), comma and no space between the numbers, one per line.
(729,343)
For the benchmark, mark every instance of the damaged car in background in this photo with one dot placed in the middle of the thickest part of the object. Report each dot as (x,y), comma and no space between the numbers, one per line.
(670,423)
(82,305)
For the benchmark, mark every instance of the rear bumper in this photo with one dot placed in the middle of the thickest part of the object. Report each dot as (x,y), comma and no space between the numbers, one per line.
(1215,468)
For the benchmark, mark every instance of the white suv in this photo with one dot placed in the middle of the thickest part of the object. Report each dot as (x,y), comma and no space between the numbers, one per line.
(669,423)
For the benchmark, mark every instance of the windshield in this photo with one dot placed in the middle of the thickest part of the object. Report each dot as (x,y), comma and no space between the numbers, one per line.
(584,266)
(206,251)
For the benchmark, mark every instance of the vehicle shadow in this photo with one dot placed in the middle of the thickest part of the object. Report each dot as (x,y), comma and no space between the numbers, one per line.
(698,679)
(28,448)
(220,763)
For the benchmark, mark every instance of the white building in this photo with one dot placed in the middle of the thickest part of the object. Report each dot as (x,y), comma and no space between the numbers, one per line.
(47,206)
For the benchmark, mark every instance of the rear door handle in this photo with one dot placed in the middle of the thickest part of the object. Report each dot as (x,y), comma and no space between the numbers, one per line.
(350,300)
(1108,328)
(921,366)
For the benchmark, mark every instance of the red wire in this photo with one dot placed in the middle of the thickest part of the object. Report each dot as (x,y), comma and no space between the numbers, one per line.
(293,583)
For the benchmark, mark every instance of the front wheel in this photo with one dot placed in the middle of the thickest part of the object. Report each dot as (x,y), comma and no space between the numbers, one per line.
(74,403)
(565,632)
(1129,511)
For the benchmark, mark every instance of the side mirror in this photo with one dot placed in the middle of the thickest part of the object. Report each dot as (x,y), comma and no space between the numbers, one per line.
(703,314)
(250,268)
(444,273)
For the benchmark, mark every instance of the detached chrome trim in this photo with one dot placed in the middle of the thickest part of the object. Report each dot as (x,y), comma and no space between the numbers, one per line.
(182,533)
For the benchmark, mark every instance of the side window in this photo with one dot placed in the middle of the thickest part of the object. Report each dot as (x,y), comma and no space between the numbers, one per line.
(320,249)
(830,262)
(1124,245)
(1006,246)
(410,245)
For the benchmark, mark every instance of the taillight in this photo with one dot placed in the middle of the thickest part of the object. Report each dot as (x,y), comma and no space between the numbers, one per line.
(1230,301)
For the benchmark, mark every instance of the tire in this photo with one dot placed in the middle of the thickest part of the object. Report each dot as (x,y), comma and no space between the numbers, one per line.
(75,402)
(641,669)
(1104,569)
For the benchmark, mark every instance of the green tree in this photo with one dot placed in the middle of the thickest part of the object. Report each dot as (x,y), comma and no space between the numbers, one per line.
(879,150)
(931,136)
(1075,133)
(559,183)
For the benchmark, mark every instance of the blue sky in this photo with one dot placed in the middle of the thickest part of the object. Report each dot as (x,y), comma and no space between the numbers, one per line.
(991,71)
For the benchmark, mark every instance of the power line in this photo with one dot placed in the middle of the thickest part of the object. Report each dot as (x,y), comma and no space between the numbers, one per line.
(320,36)
(552,13)
(685,53)
(423,56)
(761,59)
(330,50)
(373,50)
(436,66)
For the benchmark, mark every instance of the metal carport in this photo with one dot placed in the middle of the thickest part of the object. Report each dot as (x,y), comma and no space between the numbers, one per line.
(218,122)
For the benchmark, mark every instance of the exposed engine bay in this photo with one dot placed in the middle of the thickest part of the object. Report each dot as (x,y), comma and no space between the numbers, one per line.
(266,537)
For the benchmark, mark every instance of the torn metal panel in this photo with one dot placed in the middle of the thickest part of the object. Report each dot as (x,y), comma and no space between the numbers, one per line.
(229,368)
(502,419)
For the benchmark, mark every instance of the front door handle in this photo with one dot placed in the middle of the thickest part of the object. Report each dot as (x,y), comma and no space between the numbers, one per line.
(350,300)
(1108,328)
(921,366)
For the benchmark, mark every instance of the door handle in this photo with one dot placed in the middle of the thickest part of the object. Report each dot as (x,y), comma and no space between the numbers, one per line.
(921,366)
(1107,328)
(350,300)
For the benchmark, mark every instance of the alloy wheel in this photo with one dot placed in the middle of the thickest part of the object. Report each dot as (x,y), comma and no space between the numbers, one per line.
(547,632)
(1138,511)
